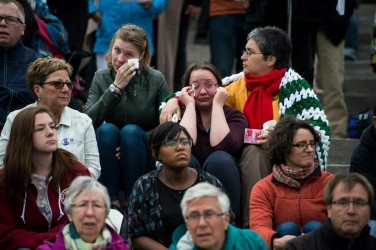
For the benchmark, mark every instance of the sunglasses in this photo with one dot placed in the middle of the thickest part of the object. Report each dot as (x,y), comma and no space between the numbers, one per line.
(60,85)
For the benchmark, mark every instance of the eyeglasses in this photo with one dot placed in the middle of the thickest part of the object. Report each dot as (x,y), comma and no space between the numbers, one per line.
(85,206)
(208,216)
(343,203)
(12,20)
(60,85)
(304,145)
(249,53)
(198,87)
(173,143)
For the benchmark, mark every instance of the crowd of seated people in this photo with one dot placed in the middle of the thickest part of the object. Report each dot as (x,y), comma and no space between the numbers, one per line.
(46,145)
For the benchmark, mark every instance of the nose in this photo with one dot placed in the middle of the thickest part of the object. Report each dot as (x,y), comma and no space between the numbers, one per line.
(121,58)
(202,222)
(50,131)
(66,88)
(243,57)
(89,210)
(351,208)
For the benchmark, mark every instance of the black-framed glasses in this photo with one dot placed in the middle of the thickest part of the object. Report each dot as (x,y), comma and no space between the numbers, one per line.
(173,143)
(345,203)
(249,53)
(208,216)
(60,85)
(12,20)
(304,145)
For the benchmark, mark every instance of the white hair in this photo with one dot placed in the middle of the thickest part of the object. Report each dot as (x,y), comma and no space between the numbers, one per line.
(205,189)
(80,184)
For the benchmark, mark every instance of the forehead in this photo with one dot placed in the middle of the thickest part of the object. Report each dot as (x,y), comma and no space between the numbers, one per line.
(42,118)
(251,44)
(92,195)
(124,45)
(9,9)
(180,135)
(341,191)
(303,134)
(58,75)
(201,75)
(202,204)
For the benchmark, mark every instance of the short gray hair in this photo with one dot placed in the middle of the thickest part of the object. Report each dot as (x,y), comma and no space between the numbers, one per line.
(80,184)
(19,7)
(205,189)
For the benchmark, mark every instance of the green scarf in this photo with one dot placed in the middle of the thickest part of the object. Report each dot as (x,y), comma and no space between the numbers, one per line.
(73,241)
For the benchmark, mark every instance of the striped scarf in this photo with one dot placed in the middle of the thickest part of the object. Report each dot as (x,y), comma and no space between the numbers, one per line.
(293,176)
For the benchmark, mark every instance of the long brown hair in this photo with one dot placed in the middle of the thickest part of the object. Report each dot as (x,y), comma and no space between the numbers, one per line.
(17,160)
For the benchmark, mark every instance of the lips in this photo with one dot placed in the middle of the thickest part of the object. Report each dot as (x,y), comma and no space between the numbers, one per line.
(183,155)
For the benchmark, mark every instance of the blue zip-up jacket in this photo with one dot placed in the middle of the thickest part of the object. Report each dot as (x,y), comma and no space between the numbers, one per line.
(14,93)
(117,12)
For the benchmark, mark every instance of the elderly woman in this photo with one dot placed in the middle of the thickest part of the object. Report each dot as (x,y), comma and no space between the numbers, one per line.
(33,181)
(217,130)
(48,78)
(153,207)
(208,202)
(290,201)
(87,205)
(268,90)
(123,103)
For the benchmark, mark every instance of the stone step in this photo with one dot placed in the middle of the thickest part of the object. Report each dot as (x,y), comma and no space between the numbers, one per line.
(340,154)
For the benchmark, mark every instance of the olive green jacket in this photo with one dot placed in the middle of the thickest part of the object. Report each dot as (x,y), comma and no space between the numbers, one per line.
(138,104)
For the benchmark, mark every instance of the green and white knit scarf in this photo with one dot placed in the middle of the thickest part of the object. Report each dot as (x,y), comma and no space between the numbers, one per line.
(73,241)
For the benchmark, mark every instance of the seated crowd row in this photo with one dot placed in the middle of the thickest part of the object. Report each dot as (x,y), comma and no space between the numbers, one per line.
(62,207)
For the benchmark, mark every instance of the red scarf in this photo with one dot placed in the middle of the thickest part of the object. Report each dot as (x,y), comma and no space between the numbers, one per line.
(258,108)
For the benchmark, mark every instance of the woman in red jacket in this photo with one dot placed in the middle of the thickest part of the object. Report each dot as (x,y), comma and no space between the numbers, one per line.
(33,181)
(290,201)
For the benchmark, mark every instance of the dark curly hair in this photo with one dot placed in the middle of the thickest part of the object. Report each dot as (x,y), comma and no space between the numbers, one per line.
(281,138)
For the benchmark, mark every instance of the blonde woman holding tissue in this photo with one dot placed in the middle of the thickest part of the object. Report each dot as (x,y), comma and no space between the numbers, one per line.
(268,90)
(123,103)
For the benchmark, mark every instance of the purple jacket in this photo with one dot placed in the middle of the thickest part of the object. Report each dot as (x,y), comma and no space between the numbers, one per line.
(117,242)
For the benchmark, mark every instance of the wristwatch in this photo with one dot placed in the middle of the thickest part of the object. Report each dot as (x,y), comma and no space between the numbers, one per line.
(116,90)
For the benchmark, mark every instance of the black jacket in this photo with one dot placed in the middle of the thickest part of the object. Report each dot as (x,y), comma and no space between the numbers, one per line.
(363,159)
(14,93)
(326,239)
(335,26)
(274,12)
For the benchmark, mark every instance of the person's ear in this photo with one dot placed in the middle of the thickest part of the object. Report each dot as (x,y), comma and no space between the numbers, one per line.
(374,121)
(227,219)
(69,218)
(38,90)
(154,154)
(270,61)
(328,210)
(23,26)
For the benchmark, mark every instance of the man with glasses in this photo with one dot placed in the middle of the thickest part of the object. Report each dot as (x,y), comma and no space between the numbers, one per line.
(15,58)
(206,213)
(349,199)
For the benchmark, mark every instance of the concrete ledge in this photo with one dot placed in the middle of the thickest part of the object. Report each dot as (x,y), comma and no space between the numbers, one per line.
(340,154)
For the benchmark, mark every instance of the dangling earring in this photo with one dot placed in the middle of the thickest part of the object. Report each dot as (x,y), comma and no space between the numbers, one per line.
(38,99)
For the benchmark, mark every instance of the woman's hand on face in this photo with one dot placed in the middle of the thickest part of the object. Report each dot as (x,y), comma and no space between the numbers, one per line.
(124,75)
(187,96)
(220,96)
